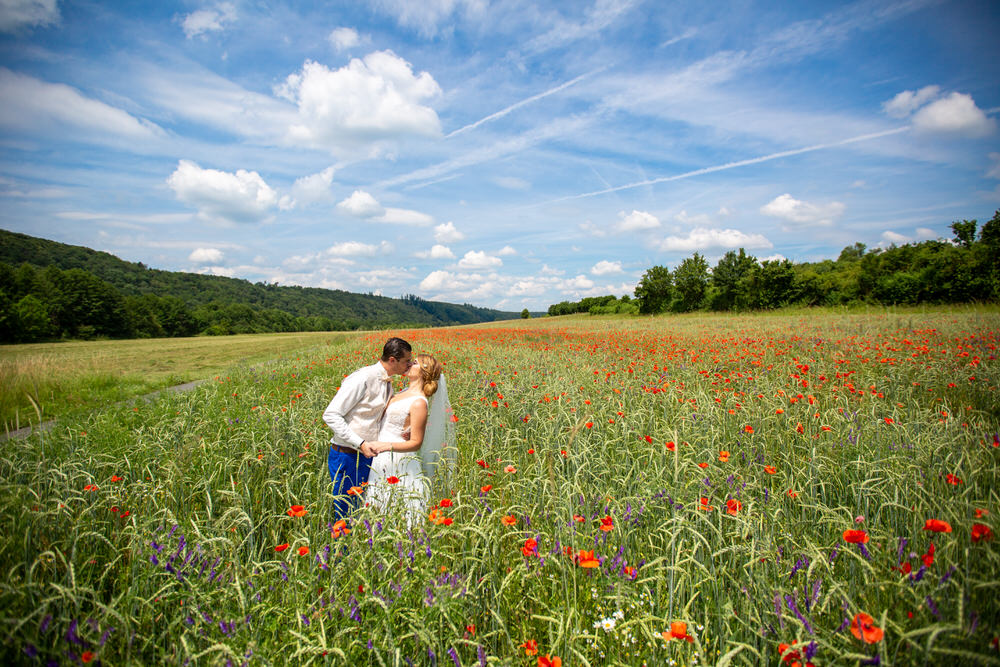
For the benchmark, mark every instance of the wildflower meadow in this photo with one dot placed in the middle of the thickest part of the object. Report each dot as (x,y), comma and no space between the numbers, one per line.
(803,489)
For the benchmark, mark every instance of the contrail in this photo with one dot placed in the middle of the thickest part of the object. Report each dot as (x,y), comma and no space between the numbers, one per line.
(518,105)
(731,165)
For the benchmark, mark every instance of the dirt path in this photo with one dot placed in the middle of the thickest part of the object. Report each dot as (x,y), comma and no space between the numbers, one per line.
(46,426)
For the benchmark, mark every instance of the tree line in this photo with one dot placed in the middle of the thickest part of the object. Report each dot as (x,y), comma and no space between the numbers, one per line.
(51,291)
(961,270)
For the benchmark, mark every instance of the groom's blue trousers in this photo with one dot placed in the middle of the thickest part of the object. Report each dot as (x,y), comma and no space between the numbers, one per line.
(347,470)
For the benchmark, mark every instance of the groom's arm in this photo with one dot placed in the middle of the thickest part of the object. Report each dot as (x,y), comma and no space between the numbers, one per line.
(349,395)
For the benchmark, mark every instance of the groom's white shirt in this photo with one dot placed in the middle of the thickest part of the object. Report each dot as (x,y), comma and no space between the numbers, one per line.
(356,409)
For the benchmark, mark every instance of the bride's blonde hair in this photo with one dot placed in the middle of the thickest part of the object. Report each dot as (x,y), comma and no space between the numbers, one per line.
(430,371)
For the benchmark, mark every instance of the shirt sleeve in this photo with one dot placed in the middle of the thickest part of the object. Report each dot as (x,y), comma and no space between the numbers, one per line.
(351,391)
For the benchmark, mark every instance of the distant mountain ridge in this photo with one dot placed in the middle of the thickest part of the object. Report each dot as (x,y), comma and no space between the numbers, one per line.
(206,296)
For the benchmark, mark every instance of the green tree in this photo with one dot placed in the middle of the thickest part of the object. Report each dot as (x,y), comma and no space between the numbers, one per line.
(691,282)
(852,253)
(965,232)
(525,314)
(655,290)
(728,280)
(31,319)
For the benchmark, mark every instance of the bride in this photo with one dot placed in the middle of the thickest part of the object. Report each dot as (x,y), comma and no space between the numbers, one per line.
(415,434)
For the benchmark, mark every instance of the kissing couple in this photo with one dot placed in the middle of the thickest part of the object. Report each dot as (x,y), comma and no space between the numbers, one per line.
(386,447)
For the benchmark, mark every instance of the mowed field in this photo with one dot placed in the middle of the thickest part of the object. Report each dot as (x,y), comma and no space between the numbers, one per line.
(49,380)
(808,488)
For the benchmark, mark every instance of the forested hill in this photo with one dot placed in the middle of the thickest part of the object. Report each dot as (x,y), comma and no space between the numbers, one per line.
(53,290)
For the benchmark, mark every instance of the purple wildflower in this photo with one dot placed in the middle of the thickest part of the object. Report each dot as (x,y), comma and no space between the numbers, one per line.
(454,656)
(777,610)
(932,606)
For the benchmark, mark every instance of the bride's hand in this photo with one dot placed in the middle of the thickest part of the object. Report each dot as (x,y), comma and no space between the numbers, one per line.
(369,449)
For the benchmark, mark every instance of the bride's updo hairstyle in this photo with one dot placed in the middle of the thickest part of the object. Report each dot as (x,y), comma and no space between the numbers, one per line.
(430,371)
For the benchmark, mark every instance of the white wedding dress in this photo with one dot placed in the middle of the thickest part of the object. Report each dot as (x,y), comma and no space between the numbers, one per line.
(409,494)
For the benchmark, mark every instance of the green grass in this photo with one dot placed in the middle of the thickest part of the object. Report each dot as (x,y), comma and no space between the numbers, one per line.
(43,381)
(192,573)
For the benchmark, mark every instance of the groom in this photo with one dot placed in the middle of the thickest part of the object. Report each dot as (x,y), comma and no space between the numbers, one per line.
(355,414)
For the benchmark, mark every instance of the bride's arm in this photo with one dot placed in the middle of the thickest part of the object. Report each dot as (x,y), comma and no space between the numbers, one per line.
(418,422)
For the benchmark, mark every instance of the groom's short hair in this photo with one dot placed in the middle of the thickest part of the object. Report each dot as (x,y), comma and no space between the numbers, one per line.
(396,348)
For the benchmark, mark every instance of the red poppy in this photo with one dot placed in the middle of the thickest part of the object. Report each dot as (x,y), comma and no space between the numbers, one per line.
(770,470)
(445,502)
(790,656)
(856,536)
(510,468)
(86,656)
(90,487)
(482,464)
(355,491)
(733,506)
(862,627)
(340,528)
(607,524)
(547,661)
(392,479)
(980,531)
(748,428)
(951,479)
(530,647)
(648,438)
(578,518)
(928,558)
(792,493)
(297,510)
(799,429)
(671,446)
(937,526)
(303,551)
(724,456)
(281,547)
(703,505)
(530,547)
(702,465)
(508,520)
(471,629)
(678,630)
(486,489)
(116,478)
(586,559)
(589,424)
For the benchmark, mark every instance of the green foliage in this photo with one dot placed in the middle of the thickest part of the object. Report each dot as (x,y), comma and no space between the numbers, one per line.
(691,283)
(94,294)
(525,314)
(655,290)
(937,272)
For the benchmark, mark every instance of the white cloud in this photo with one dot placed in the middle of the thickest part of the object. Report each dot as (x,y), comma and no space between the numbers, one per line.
(437,251)
(365,102)
(700,219)
(403,216)
(30,102)
(925,234)
(343,39)
(427,16)
(788,208)
(589,227)
(314,188)
(955,114)
(547,270)
(636,220)
(447,233)
(352,249)
(477,260)
(209,20)
(206,256)
(223,196)
(512,183)
(701,238)
(219,271)
(908,101)
(578,283)
(361,205)
(994,170)
(506,250)
(604,267)
(890,237)
(776,257)
(436,280)
(16,14)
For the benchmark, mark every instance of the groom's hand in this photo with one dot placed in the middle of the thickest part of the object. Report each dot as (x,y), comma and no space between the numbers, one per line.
(366,450)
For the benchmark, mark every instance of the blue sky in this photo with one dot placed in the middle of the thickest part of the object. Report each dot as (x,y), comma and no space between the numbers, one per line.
(507,153)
